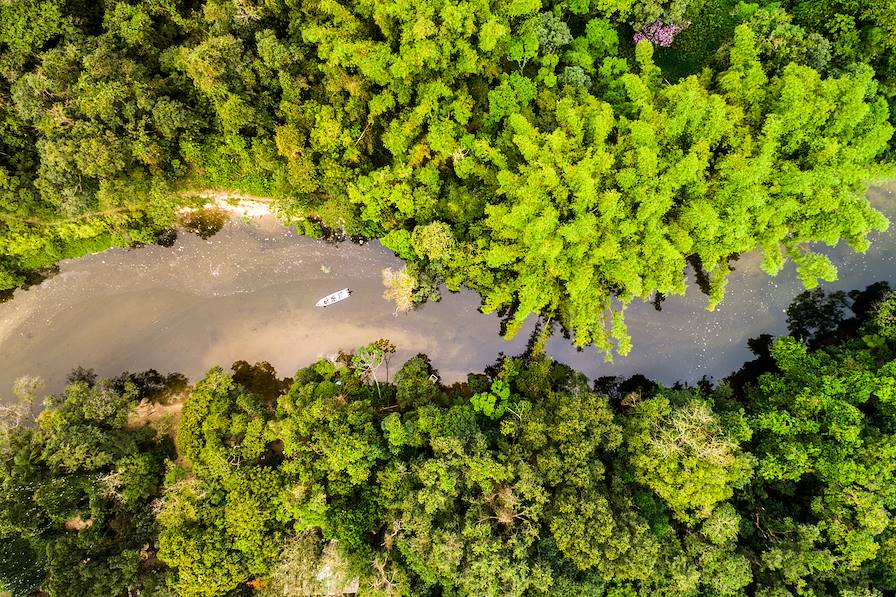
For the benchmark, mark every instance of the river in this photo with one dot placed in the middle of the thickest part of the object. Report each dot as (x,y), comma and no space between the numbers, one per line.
(248,293)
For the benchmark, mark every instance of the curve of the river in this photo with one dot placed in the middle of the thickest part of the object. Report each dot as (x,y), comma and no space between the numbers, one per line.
(249,292)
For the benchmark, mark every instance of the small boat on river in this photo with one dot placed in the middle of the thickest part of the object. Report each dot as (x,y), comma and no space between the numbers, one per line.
(331,299)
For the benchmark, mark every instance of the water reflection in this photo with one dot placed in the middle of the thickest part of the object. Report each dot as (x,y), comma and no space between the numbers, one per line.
(248,293)
(205,222)
(686,342)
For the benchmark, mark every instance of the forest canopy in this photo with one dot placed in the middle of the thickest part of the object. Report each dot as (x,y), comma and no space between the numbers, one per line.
(560,158)
(525,480)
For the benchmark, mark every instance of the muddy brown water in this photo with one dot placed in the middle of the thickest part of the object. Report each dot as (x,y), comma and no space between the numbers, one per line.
(249,292)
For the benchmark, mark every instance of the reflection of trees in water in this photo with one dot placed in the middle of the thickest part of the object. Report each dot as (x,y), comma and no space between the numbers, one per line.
(260,379)
(815,317)
(32,278)
(150,384)
(624,390)
(818,317)
(166,238)
(206,222)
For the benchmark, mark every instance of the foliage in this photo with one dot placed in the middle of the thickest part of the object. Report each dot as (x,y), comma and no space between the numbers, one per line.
(399,288)
(816,317)
(781,42)
(75,496)
(686,455)
(217,526)
(492,404)
(88,130)
(525,150)
(859,32)
(824,424)
(300,567)
(711,26)
(524,481)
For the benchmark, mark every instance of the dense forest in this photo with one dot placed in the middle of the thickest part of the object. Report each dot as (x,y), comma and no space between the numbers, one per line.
(524,480)
(560,157)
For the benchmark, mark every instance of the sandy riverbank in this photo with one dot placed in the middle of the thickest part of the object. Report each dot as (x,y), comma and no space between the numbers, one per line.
(237,204)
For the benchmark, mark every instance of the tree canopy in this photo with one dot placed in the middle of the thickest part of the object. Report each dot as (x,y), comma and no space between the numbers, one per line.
(529,150)
(525,480)
(76,493)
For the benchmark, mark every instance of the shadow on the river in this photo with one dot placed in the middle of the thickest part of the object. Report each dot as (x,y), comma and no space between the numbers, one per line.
(32,278)
(205,222)
(148,385)
(816,318)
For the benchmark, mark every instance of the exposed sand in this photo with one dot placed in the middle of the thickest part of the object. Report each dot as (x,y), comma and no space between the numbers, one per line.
(238,204)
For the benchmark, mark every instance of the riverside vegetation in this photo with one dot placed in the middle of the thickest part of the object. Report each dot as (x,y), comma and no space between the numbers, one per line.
(528,150)
(524,480)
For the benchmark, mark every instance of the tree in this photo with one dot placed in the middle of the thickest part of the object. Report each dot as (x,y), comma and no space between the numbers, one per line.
(823,443)
(75,496)
(681,450)
(217,527)
(399,289)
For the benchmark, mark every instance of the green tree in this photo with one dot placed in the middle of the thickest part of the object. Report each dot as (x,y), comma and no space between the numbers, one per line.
(681,449)
(75,496)
(219,525)
(823,439)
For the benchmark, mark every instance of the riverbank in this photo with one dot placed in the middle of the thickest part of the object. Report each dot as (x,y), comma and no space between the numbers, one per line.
(235,204)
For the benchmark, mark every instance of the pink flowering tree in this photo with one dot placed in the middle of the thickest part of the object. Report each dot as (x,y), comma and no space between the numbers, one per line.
(659,33)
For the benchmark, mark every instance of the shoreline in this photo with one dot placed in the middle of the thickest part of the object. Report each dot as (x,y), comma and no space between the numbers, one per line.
(237,204)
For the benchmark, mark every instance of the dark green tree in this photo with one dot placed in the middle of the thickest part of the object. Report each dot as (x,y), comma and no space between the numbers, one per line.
(76,492)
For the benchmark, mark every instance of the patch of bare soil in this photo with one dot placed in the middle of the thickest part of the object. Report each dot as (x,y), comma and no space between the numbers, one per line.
(164,418)
(78,524)
(238,204)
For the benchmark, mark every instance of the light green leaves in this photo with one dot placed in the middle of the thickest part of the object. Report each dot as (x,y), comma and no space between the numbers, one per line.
(684,454)
(492,404)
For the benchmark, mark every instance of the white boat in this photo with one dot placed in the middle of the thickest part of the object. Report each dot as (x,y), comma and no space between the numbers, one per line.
(331,299)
